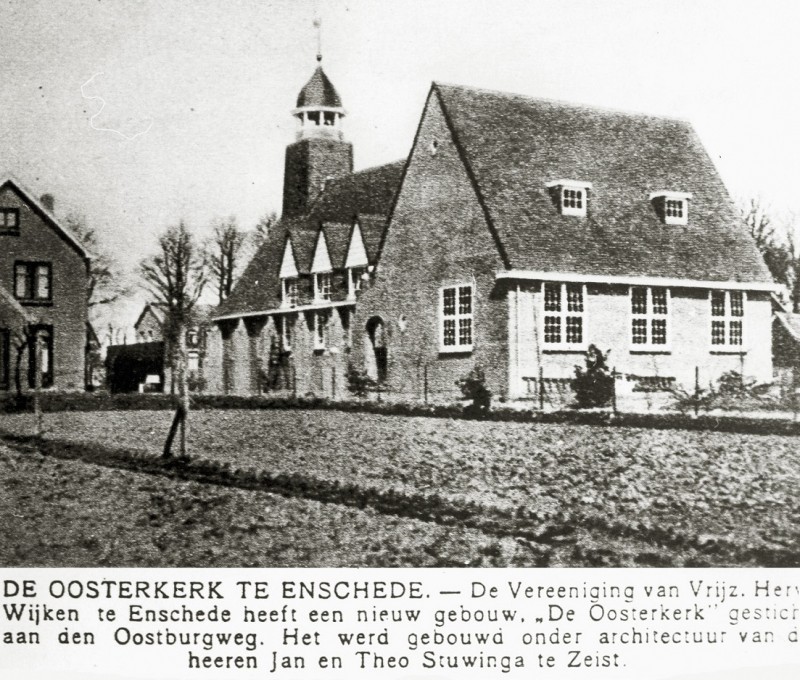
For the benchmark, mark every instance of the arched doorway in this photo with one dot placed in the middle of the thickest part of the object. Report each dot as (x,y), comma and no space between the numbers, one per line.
(376,359)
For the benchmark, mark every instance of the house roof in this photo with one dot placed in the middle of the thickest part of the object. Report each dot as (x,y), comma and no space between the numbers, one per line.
(200,313)
(513,146)
(30,198)
(319,92)
(366,196)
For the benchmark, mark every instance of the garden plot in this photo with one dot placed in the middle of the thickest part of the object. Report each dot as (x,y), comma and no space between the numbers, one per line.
(719,486)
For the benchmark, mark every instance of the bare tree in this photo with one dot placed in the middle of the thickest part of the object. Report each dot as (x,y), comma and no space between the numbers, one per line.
(224,254)
(176,277)
(106,284)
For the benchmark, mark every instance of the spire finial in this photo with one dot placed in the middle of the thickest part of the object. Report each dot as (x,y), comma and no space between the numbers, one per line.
(318,27)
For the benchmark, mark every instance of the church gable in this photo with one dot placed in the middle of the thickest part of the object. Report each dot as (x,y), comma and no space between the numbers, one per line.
(288,268)
(321,261)
(356,252)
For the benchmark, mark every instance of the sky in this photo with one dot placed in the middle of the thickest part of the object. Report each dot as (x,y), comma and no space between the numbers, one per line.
(139,113)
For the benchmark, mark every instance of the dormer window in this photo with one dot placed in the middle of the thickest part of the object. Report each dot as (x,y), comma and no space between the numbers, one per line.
(572,196)
(290,293)
(671,206)
(330,118)
(322,287)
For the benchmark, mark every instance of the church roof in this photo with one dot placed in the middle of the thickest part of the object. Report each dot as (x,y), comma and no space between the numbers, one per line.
(366,196)
(319,91)
(513,146)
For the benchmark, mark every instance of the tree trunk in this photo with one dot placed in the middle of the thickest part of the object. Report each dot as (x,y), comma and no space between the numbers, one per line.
(183,387)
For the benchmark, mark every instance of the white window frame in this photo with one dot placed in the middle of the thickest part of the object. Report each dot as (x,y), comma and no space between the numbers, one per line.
(649,316)
(290,293)
(321,331)
(323,286)
(680,197)
(354,280)
(582,189)
(727,318)
(562,316)
(458,316)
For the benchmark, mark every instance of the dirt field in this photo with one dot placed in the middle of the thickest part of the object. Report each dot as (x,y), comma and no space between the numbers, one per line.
(638,486)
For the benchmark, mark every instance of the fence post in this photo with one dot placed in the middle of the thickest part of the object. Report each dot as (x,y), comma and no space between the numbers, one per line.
(696,391)
(425,382)
(614,390)
(541,388)
(333,383)
(794,388)
(294,380)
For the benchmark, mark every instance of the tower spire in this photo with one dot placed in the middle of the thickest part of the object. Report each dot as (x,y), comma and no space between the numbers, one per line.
(318,27)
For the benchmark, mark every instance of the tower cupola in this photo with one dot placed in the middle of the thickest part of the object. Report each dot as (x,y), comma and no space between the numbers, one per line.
(319,110)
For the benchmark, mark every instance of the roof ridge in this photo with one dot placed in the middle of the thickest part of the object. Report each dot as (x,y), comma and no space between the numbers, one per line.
(562,103)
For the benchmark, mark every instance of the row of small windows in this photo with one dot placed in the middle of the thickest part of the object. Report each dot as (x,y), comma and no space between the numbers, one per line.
(564,317)
(672,207)
(323,286)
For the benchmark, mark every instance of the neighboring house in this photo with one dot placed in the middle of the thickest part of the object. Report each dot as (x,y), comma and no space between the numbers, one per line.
(45,279)
(150,328)
(522,231)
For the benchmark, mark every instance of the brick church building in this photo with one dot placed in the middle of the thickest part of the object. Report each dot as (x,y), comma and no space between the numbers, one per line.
(517,232)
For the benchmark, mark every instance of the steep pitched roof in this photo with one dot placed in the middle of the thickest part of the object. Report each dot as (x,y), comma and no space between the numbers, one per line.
(513,146)
(26,195)
(319,91)
(366,195)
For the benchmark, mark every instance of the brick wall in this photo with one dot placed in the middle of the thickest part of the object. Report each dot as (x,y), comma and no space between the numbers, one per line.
(438,236)
(38,241)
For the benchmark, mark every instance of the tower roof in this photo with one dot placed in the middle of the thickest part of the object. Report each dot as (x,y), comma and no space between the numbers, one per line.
(319,91)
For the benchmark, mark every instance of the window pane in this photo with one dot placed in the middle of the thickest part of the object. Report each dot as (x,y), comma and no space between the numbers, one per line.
(717,332)
(574,298)
(552,297)
(659,300)
(737,303)
(736,333)
(639,332)
(552,329)
(465,300)
(574,330)
(717,303)
(674,208)
(465,331)
(449,332)
(43,282)
(21,281)
(639,300)
(449,301)
(659,332)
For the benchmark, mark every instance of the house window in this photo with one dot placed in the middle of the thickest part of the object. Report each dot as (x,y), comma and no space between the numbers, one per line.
(33,281)
(672,206)
(290,292)
(322,287)
(354,280)
(287,332)
(649,318)
(330,118)
(727,319)
(456,328)
(9,220)
(347,327)
(44,334)
(572,196)
(563,315)
(320,330)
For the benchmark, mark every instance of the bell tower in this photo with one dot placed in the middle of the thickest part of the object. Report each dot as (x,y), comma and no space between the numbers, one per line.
(320,151)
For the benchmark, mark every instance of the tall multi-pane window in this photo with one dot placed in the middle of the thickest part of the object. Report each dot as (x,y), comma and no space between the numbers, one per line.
(322,287)
(456,318)
(563,315)
(354,280)
(727,319)
(286,331)
(32,281)
(650,318)
(321,330)
(290,292)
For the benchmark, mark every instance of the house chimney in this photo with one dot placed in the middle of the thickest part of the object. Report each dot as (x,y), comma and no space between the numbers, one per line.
(49,202)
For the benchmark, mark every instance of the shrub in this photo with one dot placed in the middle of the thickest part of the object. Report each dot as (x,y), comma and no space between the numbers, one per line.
(473,387)
(593,386)
(358,382)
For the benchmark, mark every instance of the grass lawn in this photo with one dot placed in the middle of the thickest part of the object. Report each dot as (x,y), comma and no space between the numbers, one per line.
(740,489)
